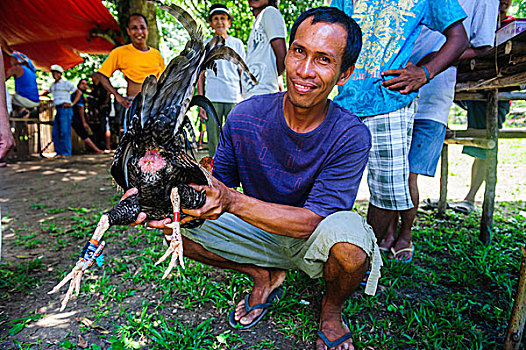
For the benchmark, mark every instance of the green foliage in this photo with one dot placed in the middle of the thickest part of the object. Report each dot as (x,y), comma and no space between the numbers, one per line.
(174,37)
(518,8)
(20,277)
(242,16)
(83,71)
(17,325)
(457,293)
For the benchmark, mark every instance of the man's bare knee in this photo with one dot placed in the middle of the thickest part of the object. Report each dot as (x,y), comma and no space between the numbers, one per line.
(347,257)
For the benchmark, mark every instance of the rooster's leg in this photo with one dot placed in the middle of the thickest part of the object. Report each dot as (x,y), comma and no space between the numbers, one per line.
(175,239)
(92,251)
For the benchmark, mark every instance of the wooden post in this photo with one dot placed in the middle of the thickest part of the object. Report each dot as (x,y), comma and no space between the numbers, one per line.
(39,137)
(442,202)
(22,139)
(518,313)
(492,110)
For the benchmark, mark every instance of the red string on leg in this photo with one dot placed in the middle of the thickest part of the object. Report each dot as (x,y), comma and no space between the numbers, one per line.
(177,217)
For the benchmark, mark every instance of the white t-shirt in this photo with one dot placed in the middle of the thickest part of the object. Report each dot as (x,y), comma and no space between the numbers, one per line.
(224,87)
(436,96)
(61,91)
(261,60)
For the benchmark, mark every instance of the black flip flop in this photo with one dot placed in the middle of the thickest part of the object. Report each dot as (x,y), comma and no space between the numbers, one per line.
(331,344)
(276,294)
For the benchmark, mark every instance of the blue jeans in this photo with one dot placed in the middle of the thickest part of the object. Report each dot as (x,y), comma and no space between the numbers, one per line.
(61,133)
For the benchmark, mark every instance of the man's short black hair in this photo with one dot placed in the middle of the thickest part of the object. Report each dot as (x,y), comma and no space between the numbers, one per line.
(136,14)
(333,15)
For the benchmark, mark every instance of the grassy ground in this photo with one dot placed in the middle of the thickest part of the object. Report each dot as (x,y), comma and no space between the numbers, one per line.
(457,293)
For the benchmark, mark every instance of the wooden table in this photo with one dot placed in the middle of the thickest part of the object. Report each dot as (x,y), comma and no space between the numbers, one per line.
(503,67)
(33,130)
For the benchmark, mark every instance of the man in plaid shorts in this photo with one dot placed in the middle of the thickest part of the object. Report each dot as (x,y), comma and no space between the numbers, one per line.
(384,86)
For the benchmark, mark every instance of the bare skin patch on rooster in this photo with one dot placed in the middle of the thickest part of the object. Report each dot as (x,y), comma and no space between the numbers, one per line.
(152,161)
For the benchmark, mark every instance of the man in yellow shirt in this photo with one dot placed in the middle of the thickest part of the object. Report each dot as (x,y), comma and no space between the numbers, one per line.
(136,61)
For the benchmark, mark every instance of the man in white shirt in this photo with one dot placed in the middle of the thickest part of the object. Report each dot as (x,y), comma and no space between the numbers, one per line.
(224,88)
(266,49)
(61,90)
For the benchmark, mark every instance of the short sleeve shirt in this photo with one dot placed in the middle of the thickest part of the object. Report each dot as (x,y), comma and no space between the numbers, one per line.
(135,64)
(261,60)
(390,29)
(61,91)
(436,96)
(225,85)
(319,170)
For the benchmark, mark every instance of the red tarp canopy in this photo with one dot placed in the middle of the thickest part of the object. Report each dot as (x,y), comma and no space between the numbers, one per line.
(55,31)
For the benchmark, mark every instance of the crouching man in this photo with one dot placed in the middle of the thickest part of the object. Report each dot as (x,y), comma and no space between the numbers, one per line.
(299,158)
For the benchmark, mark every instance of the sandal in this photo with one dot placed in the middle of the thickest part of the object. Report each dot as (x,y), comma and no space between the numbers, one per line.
(433,203)
(276,294)
(464,207)
(410,249)
(331,344)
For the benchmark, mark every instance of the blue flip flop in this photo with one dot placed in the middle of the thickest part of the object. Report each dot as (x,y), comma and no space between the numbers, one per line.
(410,249)
(276,294)
(364,281)
(332,344)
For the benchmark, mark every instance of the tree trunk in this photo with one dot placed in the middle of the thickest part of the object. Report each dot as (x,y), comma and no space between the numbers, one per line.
(127,7)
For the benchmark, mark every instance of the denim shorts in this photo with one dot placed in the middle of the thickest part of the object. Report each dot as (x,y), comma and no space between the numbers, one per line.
(426,145)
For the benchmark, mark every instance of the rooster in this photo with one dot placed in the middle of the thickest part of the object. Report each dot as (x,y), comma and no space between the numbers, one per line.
(152,156)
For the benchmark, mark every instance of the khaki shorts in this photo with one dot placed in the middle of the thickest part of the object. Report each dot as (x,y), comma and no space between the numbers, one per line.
(240,242)
(21,101)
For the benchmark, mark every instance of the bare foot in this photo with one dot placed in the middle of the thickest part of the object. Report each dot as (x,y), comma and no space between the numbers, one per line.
(262,288)
(333,327)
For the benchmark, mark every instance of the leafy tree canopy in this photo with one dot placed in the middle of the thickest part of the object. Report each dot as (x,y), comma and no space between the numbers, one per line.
(174,37)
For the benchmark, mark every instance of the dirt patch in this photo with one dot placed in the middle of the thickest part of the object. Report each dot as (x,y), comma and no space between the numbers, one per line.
(41,193)
(32,193)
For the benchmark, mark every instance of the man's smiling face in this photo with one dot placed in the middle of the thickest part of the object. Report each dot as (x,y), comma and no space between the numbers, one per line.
(138,31)
(314,61)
